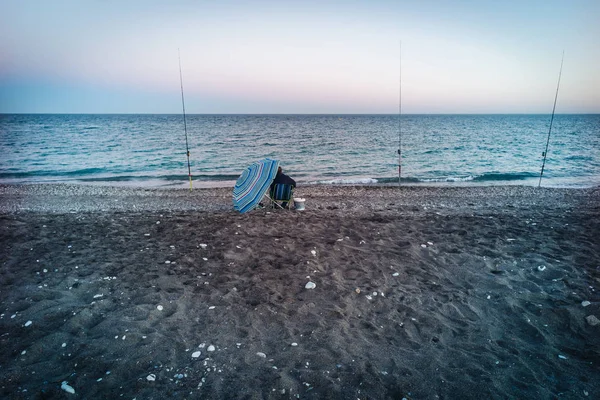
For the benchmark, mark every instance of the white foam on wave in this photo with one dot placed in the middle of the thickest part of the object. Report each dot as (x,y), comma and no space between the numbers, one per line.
(450,179)
(359,181)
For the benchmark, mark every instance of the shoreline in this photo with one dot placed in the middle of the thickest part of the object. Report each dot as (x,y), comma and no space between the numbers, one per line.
(421,292)
(552,183)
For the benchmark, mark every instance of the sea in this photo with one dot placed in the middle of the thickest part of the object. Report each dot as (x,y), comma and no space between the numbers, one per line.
(150,150)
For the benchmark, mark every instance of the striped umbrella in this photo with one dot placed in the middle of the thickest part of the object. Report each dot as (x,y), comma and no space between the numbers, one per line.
(252,185)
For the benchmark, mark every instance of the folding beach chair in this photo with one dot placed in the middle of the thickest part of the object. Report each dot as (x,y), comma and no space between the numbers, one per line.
(281,196)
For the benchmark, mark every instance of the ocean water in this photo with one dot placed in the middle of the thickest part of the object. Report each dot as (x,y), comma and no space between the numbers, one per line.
(150,150)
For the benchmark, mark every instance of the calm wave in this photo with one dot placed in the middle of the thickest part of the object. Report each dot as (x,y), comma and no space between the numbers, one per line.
(149,150)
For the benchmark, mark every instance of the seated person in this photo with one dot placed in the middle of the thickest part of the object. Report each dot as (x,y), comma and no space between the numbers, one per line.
(284,179)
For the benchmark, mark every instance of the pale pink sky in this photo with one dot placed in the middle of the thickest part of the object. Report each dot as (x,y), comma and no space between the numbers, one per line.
(299,57)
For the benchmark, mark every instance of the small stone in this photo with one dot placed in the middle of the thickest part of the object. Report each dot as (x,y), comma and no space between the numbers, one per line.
(310,285)
(592,320)
(196,354)
(313,252)
(395,274)
(211,307)
(151,377)
(211,348)
(541,268)
(65,386)
(357,290)
(294,344)
(28,323)
(159,308)
(203,246)
(562,357)
(261,354)
(585,303)
(423,245)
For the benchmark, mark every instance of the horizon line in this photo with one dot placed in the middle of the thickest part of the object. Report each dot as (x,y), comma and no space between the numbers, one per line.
(323,114)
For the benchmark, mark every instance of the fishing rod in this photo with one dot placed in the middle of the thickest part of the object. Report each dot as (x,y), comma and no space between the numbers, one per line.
(551,120)
(400,119)
(187,149)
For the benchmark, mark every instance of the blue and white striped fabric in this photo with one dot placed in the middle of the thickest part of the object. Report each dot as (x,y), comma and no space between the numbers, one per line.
(252,185)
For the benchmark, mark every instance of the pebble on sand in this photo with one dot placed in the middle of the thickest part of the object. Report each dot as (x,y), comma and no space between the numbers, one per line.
(261,354)
(196,354)
(310,285)
(28,323)
(294,344)
(203,246)
(159,307)
(67,388)
(211,348)
(585,303)
(151,377)
(592,320)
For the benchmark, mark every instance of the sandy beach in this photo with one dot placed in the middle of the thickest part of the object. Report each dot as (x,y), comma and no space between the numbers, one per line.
(420,293)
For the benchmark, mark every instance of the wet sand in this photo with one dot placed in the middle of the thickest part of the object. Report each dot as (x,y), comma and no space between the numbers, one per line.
(421,293)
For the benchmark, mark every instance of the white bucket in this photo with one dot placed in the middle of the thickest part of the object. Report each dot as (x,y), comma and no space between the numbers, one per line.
(299,204)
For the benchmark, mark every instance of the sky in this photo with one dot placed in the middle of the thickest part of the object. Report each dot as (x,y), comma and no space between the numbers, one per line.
(299,57)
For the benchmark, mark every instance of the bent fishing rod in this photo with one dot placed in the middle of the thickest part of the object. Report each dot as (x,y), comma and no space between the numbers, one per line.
(551,120)
(187,149)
